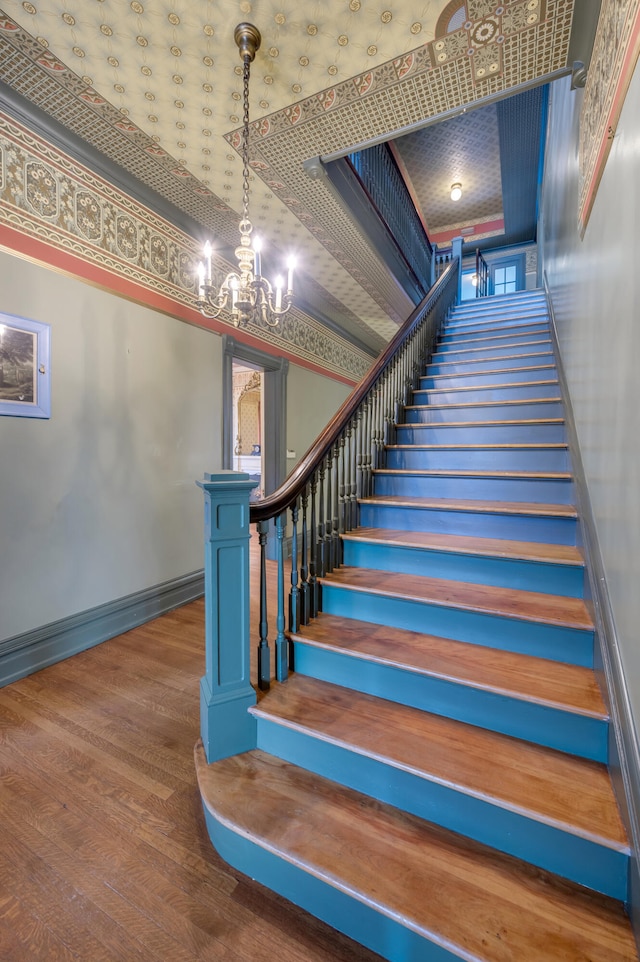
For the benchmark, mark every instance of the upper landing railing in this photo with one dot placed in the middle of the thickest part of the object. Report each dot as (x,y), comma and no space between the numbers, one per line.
(321,499)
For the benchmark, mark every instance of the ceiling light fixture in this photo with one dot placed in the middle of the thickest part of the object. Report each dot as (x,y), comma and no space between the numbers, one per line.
(456,191)
(245,293)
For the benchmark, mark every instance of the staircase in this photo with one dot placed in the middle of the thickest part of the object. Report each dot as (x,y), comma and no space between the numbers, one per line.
(431,780)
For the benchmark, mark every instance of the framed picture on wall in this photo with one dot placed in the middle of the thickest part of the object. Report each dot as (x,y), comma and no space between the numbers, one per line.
(25,384)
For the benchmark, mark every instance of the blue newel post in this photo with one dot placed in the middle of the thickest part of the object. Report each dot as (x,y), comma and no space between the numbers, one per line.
(225,689)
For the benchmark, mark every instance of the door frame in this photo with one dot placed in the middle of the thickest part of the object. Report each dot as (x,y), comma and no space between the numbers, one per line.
(275,408)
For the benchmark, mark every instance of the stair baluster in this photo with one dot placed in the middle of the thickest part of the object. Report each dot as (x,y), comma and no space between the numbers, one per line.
(281,644)
(335,540)
(321,554)
(313,552)
(327,508)
(305,591)
(294,598)
(264,654)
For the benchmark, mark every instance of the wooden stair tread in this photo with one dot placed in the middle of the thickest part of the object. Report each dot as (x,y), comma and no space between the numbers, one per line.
(538,680)
(514,603)
(485,387)
(518,776)
(481,404)
(465,473)
(517,446)
(498,370)
(458,326)
(499,335)
(418,425)
(496,357)
(560,554)
(389,861)
(473,350)
(486,507)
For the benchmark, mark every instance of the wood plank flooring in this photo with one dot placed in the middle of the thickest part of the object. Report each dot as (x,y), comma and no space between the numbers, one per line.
(104,855)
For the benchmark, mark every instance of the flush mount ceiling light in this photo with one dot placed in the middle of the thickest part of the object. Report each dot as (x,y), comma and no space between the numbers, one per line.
(456,191)
(245,293)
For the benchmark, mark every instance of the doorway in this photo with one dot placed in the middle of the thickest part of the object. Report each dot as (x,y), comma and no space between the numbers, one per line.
(248,424)
(254,391)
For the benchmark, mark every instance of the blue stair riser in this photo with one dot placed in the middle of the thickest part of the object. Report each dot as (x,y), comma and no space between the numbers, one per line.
(500,305)
(480,433)
(515,331)
(493,363)
(540,724)
(549,578)
(490,350)
(478,346)
(519,301)
(557,643)
(443,381)
(356,918)
(459,320)
(515,299)
(470,395)
(516,527)
(533,490)
(548,847)
(479,459)
(526,410)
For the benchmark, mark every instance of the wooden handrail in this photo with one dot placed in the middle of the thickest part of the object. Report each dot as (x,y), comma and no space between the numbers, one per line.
(293,486)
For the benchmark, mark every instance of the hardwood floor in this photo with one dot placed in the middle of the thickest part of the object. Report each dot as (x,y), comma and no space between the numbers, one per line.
(104,855)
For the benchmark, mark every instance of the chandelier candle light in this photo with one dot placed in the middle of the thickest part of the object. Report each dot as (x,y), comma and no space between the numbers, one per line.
(245,293)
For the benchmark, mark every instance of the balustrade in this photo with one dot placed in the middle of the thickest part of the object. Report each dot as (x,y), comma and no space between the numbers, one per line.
(322,494)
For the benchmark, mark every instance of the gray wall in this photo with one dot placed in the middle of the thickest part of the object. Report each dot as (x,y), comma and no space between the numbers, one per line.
(595,284)
(99,501)
(312,400)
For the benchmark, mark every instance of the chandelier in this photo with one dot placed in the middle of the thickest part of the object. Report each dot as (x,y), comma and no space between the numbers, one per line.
(245,293)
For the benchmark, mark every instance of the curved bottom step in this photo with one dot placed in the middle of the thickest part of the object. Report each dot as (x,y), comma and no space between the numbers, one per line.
(406,889)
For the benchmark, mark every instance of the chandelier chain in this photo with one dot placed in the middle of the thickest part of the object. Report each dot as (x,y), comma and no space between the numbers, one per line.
(245,143)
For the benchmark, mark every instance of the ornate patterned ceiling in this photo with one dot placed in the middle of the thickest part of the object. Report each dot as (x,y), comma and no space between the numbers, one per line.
(156,86)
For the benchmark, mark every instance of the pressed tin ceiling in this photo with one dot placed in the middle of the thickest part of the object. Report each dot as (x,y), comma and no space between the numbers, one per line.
(156,86)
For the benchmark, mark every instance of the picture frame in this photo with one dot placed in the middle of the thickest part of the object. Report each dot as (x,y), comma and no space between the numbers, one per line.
(25,375)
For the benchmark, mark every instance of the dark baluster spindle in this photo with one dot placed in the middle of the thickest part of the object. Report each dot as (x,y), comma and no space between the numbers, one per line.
(264,656)
(321,557)
(359,430)
(335,539)
(313,555)
(282,667)
(367,441)
(344,484)
(328,524)
(305,590)
(354,474)
(294,598)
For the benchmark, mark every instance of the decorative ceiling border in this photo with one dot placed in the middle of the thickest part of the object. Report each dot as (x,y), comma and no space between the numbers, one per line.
(49,198)
(32,70)
(615,54)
